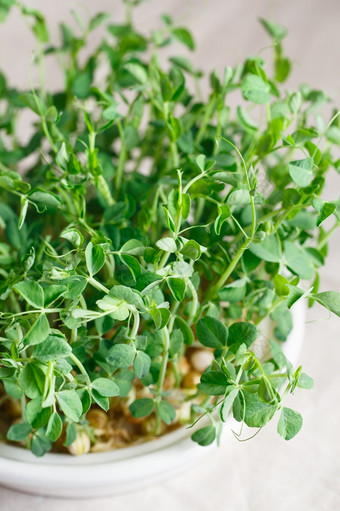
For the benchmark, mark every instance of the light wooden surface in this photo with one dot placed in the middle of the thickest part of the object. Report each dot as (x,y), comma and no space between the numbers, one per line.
(267,473)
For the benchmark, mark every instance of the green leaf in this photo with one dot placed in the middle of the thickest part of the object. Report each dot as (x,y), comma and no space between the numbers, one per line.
(301,171)
(160,317)
(18,432)
(277,354)
(128,295)
(138,72)
(227,404)
(38,331)
(73,236)
(133,247)
(255,89)
(124,378)
(188,334)
(211,332)
(52,293)
(297,260)
(224,214)
(32,380)
(166,412)
(71,434)
(257,413)
(177,288)
(238,198)
(325,209)
(53,348)
(40,445)
(266,392)
(183,63)
(281,285)
(121,355)
(289,424)
(191,249)
(204,436)
(184,36)
(23,211)
(32,292)
(282,69)
(37,416)
(95,258)
(241,333)
(269,249)
(62,157)
(75,287)
(54,427)
(141,364)
(275,30)
(213,383)
(233,292)
(98,20)
(105,387)
(70,404)
(100,400)
(167,244)
(132,263)
(141,407)
(245,120)
(85,399)
(305,381)
(176,341)
(330,300)
(333,134)
(43,198)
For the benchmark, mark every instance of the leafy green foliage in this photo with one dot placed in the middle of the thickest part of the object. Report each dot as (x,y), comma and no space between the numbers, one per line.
(134,235)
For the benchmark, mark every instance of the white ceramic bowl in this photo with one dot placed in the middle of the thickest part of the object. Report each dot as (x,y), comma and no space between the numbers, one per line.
(123,470)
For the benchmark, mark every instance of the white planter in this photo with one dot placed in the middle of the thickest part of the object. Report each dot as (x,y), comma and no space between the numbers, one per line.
(108,473)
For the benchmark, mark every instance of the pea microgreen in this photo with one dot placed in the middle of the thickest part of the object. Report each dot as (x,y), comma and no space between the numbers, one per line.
(150,223)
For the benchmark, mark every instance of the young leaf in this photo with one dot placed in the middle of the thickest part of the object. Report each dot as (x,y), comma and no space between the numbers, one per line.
(166,412)
(330,300)
(54,427)
(289,424)
(301,171)
(255,89)
(167,244)
(177,288)
(18,432)
(105,387)
(268,250)
(141,364)
(121,355)
(241,333)
(211,332)
(38,331)
(213,383)
(204,436)
(95,258)
(275,30)
(257,413)
(227,404)
(160,317)
(184,36)
(188,335)
(142,407)
(52,348)
(32,292)
(70,404)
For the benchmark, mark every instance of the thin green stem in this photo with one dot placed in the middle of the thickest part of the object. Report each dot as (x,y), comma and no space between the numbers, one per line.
(80,367)
(194,303)
(162,372)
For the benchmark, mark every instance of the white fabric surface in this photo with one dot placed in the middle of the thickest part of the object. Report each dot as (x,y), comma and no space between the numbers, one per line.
(266,473)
